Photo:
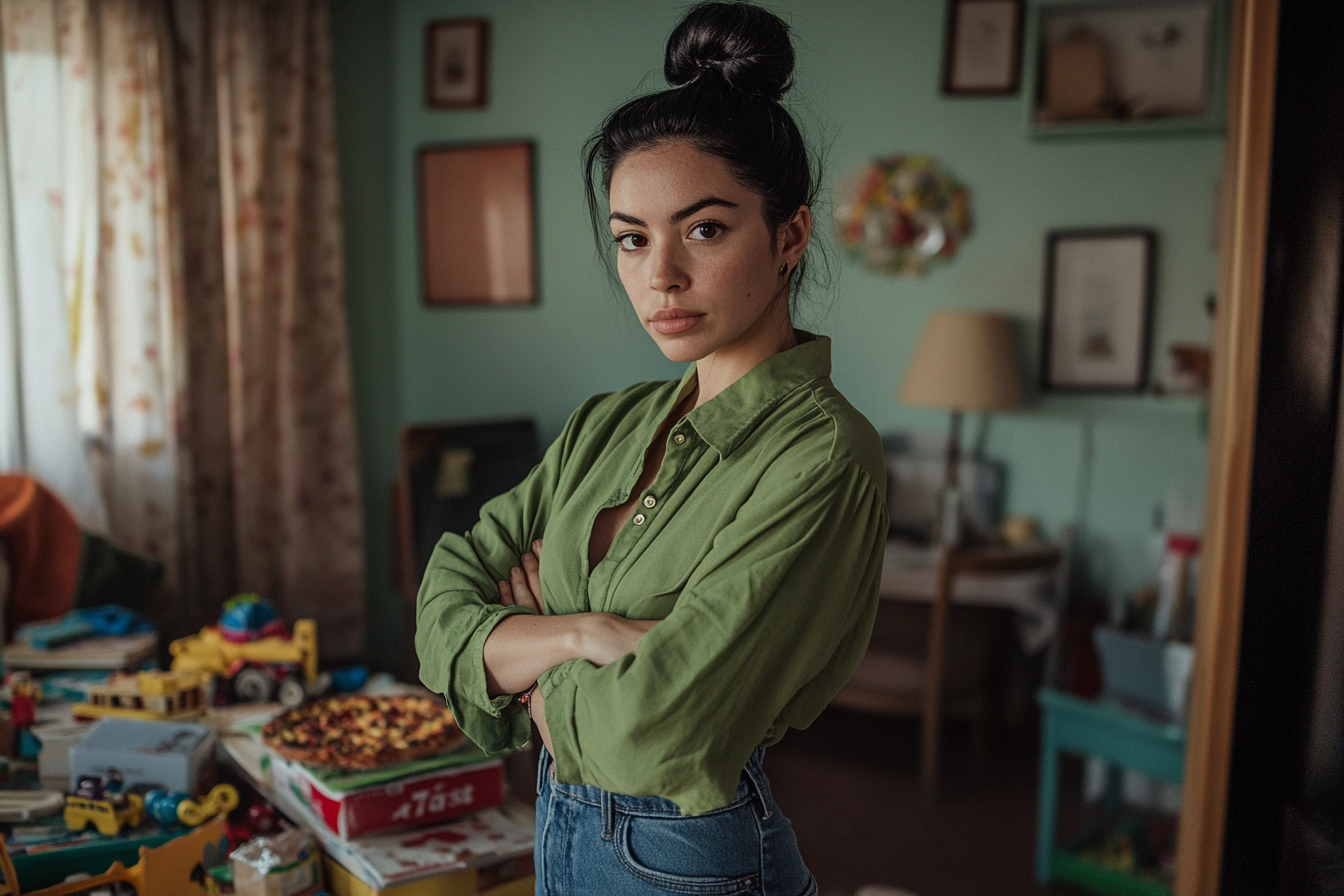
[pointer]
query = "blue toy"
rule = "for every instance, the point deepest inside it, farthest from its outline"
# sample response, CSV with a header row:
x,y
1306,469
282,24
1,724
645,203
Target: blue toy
x,y
249,617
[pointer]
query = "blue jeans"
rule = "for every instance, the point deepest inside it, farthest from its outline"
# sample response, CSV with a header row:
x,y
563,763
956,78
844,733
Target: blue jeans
x,y
592,841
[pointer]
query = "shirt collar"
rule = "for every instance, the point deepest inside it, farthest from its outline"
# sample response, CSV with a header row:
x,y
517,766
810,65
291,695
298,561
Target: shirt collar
x,y
729,417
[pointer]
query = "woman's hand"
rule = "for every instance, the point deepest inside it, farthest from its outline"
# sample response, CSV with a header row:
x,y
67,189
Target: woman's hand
x,y
523,588
605,637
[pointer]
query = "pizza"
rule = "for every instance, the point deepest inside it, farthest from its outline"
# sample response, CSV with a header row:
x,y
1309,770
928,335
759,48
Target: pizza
x,y
359,731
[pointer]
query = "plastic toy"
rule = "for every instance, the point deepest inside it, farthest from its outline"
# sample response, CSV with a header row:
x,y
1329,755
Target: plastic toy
x,y
23,695
179,867
108,816
274,666
152,696
249,617
114,620
92,787
175,807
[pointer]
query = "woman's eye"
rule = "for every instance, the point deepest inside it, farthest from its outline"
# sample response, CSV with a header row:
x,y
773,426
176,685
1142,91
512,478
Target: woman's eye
x,y
706,230
629,242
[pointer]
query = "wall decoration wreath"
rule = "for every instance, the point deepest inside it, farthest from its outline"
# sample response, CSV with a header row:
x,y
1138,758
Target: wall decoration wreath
x,y
902,214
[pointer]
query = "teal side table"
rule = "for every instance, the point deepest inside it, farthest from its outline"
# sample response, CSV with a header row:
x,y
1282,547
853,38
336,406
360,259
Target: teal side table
x,y
1118,736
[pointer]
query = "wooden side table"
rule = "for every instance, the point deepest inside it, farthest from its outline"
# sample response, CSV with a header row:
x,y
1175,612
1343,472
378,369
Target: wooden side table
x,y
1118,736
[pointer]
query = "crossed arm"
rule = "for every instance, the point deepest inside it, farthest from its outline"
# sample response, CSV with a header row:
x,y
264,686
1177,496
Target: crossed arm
x,y
521,647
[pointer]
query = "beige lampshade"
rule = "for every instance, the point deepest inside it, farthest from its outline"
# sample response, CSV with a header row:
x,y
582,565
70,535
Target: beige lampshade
x,y
964,362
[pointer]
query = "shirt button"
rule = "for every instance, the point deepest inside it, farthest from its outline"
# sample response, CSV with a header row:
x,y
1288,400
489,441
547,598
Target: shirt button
x,y
639,519
679,438
650,501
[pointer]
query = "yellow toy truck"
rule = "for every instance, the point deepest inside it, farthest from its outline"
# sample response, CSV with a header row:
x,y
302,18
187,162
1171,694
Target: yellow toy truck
x,y
271,667
108,816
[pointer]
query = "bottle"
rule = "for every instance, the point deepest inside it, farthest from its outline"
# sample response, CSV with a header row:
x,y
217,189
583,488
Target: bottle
x,y
1172,618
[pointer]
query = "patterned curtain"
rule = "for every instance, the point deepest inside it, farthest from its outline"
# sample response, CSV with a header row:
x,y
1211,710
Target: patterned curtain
x,y
277,492
173,353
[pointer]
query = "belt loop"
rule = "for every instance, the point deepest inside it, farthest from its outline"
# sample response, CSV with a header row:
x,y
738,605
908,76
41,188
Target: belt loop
x,y
543,759
608,815
756,776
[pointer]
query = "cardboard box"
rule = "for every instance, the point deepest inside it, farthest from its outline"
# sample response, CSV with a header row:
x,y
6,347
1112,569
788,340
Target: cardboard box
x,y
511,877
170,755
429,797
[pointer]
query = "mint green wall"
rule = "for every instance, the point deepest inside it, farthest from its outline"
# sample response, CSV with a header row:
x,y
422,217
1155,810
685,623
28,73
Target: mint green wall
x,y
867,84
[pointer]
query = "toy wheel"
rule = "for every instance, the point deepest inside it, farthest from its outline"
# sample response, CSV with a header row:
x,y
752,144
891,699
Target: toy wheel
x,y
252,686
291,693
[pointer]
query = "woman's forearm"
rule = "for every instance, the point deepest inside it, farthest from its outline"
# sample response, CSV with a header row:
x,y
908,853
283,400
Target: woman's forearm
x,y
522,647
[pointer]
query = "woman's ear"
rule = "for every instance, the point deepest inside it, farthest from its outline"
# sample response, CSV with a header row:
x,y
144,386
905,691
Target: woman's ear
x,y
793,236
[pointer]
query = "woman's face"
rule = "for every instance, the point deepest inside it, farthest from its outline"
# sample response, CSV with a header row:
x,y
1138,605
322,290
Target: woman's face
x,y
697,259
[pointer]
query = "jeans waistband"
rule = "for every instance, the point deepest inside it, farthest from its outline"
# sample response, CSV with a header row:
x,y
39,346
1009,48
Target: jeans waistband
x,y
751,785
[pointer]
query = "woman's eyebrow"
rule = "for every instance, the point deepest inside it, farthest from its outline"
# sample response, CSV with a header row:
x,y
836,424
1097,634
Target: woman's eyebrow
x,y
677,216
699,204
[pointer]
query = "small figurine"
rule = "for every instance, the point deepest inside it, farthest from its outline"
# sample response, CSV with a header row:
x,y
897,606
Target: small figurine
x,y
23,695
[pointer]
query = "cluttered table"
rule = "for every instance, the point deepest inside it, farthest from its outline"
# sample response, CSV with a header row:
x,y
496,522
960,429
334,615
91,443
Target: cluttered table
x,y
241,769
909,573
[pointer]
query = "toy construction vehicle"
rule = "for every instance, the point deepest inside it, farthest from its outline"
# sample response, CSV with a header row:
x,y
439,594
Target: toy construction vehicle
x,y
254,654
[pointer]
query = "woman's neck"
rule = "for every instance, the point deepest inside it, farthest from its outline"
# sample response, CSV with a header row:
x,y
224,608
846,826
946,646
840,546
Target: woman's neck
x,y
719,370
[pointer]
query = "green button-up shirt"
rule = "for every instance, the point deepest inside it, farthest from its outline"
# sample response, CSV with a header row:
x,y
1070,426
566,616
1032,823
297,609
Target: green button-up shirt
x,y
759,546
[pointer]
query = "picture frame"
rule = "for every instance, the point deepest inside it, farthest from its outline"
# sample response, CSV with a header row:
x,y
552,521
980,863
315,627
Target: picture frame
x,y
983,51
1098,67
1097,323
456,62
477,224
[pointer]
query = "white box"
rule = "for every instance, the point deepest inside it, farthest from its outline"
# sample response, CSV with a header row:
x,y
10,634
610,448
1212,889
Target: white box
x,y
58,739
171,755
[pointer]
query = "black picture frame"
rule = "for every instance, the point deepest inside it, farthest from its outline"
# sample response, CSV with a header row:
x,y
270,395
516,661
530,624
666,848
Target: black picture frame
x,y
1097,322
457,56
982,54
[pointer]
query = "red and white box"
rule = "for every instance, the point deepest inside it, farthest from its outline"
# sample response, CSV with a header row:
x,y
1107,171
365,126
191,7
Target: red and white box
x,y
426,798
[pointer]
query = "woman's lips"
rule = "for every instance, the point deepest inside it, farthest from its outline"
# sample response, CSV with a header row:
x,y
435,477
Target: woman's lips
x,y
669,321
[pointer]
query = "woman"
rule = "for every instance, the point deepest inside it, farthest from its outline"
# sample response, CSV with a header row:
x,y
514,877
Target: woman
x,y
712,546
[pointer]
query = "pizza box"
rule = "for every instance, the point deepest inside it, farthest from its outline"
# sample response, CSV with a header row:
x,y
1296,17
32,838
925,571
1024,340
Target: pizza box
x,y
485,842
510,877
409,795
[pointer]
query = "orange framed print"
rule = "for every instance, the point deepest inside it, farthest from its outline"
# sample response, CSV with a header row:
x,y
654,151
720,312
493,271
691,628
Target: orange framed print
x,y
477,230
456,57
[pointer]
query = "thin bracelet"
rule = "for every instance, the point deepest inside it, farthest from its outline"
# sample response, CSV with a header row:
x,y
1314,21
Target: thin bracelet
x,y
525,698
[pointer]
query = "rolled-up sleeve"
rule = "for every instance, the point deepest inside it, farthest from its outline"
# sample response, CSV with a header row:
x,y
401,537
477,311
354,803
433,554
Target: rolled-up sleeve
x,y
771,623
458,603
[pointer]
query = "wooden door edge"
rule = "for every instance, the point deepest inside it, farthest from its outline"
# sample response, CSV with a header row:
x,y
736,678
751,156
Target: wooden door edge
x,y
1246,179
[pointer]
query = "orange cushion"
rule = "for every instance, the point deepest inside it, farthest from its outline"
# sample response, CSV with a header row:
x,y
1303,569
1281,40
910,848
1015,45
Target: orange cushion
x,y
44,541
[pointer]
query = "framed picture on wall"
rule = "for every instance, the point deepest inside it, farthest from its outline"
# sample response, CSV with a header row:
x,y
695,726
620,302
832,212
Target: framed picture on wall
x,y
983,54
455,63
1099,67
1098,310
477,231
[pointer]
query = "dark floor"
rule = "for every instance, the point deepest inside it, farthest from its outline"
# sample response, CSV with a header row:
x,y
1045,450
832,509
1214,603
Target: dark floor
x,y
850,785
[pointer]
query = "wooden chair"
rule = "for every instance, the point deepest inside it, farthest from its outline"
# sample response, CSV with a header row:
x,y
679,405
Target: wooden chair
x,y
915,682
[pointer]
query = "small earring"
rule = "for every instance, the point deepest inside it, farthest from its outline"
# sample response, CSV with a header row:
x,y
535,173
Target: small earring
x,y
783,269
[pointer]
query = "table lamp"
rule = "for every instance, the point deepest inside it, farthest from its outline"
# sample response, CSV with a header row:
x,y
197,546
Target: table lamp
x,y
964,362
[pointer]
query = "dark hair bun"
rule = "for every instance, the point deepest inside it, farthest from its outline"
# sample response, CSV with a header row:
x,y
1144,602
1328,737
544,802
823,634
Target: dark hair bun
x,y
745,46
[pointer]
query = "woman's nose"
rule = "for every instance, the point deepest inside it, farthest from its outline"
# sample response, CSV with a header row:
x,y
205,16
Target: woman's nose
x,y
667,273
